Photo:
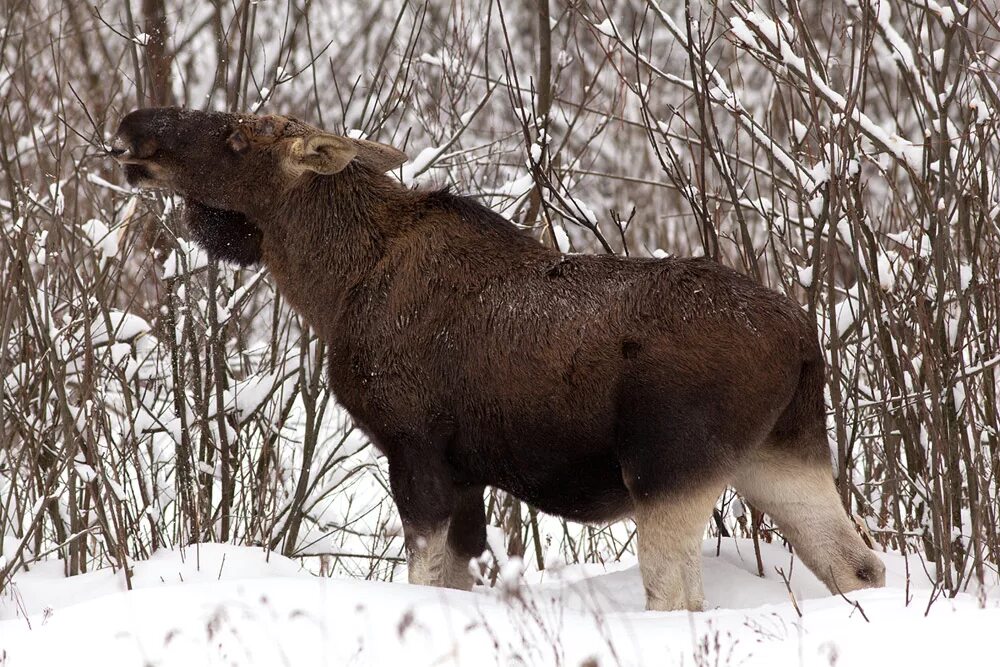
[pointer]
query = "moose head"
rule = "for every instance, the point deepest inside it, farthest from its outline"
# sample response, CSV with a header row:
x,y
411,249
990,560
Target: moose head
x,y
235,170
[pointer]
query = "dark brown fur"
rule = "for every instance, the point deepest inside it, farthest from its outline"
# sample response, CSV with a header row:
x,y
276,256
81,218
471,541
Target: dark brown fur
x,y
226,235
473,356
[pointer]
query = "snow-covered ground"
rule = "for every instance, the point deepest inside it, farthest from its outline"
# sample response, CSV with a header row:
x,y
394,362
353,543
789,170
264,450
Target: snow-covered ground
x,y
225,605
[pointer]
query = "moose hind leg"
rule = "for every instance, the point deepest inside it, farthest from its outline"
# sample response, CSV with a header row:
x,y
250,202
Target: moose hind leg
x,y
670,531
802,499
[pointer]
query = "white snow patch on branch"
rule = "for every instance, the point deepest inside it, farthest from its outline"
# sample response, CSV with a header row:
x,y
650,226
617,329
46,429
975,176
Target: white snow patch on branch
x,y
190,259
606,27
104,240
420,164
561,238
517,188
583,210
124,327
903,150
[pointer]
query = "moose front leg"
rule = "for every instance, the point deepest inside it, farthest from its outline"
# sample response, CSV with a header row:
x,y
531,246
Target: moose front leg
x,y
438,553
444,525
466,537
424,496
426,553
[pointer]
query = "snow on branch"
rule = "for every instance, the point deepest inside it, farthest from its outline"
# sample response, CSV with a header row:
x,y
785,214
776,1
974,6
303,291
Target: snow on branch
x,y
759,32
722,95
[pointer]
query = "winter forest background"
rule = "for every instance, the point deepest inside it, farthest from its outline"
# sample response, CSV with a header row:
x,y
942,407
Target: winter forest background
x,y
845,152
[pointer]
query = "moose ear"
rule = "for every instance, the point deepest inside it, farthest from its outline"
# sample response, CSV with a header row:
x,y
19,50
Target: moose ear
x,y
379,157
323,153
330,153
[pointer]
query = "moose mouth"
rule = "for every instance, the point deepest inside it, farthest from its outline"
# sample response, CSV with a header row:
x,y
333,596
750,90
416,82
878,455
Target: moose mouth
x,y
140,169
146,174
227,235
139,175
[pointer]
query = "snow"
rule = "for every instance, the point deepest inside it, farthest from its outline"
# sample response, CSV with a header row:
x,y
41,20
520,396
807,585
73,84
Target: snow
x,y
937,57
982,110
886,270
45,587
57,197
536,153
425,158
265,93
517,187
561,237
87,473
964,275
246,396
221,604
104,240
16,377
846,312
946,14
429,59
97,180
606,27
579,207
124,327
495,540
41,252
806,276
242,292
902,149
188,259
800,130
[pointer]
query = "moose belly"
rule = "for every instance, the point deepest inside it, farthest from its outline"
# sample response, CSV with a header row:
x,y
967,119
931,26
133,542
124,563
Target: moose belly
x,y
585,487
587,501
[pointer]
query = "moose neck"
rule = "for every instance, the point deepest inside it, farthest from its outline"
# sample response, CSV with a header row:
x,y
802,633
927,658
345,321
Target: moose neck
x,y
327,239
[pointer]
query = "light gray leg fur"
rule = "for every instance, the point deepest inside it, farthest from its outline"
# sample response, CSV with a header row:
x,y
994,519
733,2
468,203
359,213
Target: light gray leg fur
x,y
432,562
802,499
670,532
427,555
456,572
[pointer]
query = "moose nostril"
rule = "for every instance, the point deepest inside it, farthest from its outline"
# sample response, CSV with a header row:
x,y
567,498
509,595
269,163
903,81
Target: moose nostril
x,y
118,147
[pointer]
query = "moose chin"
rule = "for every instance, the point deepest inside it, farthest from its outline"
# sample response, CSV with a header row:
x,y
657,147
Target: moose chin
x,y
592,387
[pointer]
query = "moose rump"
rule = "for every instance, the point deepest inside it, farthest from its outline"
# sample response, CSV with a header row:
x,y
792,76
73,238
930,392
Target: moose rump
x,y
592,387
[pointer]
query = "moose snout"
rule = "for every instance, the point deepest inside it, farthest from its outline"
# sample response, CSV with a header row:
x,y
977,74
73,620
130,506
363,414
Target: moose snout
x,y
140,135
120,149
127,148
137,147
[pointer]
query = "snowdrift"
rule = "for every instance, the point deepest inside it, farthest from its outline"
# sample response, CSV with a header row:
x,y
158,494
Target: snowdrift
x,y
224,605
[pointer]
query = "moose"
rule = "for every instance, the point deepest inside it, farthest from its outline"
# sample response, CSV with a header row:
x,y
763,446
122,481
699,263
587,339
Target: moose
x,y
593,387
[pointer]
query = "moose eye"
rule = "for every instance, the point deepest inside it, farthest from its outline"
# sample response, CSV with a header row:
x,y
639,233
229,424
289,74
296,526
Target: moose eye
x,y
146,148
238,142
